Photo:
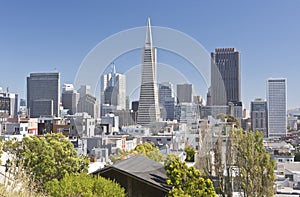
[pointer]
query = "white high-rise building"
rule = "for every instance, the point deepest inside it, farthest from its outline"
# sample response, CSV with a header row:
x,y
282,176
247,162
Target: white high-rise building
x,y
148,111
113,89
276,98
69,98
8,104
87,102
67,87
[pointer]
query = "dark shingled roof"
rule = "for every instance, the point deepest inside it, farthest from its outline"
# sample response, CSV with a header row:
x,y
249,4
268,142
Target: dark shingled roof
x,y
143,168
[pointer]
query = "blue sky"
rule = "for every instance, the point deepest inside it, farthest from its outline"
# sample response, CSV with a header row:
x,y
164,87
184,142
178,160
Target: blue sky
x,y
38,36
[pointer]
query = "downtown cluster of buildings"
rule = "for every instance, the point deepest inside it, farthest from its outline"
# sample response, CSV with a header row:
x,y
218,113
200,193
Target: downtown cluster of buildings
x,y
169,119
158,106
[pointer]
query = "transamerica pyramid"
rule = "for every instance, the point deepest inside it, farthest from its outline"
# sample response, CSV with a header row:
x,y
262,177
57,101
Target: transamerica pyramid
x,y
148,110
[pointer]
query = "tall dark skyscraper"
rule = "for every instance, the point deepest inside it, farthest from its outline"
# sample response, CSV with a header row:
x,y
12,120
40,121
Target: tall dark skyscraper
x,y
225,76
148,104
43,95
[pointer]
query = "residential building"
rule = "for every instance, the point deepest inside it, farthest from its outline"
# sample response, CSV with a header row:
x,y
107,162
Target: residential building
x,y
8,104
186,113
82,125
140,176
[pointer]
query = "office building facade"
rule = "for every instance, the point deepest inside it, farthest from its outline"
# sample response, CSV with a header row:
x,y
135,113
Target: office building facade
x,y
184,93
166,100
259,116
276,98
43,88
69,98
113,89
148,111
87,102
225,76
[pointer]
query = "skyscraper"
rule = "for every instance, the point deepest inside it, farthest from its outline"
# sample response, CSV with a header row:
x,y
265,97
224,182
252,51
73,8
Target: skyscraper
x,y
276,98
70,98
166,100
43,97
87,102
225,76
165,90
113,89
185,93
148,104
259,116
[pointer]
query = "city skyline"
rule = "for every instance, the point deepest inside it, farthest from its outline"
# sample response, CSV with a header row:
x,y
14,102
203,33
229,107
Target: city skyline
x,y
35,40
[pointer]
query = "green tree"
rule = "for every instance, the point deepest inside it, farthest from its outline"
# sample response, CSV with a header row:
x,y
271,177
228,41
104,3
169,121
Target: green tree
x,y
186,181
190,153
297,156
255,170
146,149
45,158
84,185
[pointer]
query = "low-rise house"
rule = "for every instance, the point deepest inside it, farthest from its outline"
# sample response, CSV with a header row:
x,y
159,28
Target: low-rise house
x,y
140,176
288,177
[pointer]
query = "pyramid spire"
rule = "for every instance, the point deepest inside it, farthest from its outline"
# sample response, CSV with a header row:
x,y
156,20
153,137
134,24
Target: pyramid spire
x,y
148,33
148,111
